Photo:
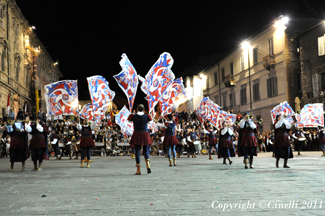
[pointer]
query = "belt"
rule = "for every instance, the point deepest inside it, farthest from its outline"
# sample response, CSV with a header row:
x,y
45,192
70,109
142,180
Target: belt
x,y
226,138
38,136
248,134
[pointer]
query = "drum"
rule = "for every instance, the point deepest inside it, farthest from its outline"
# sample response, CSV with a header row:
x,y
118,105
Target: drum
x,y
197,145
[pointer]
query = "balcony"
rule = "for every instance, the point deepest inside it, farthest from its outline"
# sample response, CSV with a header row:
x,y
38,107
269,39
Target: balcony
x,y
229,81
269,62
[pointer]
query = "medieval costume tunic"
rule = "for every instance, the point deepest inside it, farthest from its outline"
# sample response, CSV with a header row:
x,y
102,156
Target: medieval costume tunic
x,y
55,144
281,145
226,146
19,142
140,137
170,140
321,139
191,137
38,142
299,139
247,140
86,141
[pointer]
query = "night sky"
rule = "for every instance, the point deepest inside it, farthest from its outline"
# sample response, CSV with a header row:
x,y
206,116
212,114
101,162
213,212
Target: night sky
x,y
89,37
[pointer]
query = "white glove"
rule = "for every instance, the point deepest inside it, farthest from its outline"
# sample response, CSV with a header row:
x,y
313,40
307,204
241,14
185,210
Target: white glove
x,y
39,128
22,130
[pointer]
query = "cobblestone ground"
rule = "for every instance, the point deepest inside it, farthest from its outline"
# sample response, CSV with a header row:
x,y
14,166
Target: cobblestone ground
x,y
196,186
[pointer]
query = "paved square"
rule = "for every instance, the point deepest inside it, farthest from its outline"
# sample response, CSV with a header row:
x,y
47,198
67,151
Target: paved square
x,y
196,186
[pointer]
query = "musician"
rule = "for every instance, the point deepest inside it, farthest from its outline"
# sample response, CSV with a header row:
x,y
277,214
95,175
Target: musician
x,y
299,139
38,143
212,139
140,137
86,141
170,140
67,146
191,137
247,140
281,145
321,138
226,146
18,144
54,140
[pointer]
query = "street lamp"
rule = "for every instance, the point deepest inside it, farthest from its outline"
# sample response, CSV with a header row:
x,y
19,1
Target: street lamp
x,y
245,45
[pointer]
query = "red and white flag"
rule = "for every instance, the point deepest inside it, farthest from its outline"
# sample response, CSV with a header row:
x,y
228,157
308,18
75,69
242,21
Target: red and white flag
x,y
8,104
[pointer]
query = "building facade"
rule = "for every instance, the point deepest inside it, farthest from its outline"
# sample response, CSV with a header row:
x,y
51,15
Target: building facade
x,y
25,65
258,75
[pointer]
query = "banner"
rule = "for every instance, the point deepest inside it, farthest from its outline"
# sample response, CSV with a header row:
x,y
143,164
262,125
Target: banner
x,y
282,109
311,115
87,112
127,79
121,119
62,98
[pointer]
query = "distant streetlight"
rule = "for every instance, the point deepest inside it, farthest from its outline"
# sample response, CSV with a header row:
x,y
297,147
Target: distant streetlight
x,y
246,46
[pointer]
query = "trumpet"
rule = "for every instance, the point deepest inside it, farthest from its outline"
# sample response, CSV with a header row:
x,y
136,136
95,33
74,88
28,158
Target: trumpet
x,y
260,121
298,112
250,116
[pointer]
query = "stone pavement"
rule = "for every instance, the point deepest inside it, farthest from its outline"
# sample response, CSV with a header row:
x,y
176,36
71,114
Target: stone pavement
x,y
196,186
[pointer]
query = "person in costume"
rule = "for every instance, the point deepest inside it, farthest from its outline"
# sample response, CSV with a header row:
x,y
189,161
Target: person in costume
x,y
321,138
18,145
170,140
38,143
140,137
226,146
247,140
190,137
281,145
55,143
86,141
299,139
212,139
179,145
67,147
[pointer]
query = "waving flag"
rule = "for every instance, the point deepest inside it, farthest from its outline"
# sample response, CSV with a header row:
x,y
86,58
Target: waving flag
x,y
62,98
172,96
128,80
208,110
158,79
224,117
87,112
100,95
152,126
127,127
281,109
311,115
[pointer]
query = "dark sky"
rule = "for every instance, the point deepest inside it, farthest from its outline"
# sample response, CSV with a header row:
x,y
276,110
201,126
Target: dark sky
x,y
89,37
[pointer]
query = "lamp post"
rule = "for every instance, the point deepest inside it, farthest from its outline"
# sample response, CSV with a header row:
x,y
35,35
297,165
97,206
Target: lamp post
x,y
246,45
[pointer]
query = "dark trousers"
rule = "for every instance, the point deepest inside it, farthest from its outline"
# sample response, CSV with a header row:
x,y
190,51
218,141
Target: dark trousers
x,y
85,152
37,154
56,149
67,151
249,151
179,149
146,150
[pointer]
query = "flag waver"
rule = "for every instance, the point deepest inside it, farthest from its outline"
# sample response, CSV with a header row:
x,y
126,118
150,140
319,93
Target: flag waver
x,y
128,80
62,98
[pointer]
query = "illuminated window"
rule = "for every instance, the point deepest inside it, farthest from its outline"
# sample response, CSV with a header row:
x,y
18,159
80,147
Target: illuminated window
x,y
321,46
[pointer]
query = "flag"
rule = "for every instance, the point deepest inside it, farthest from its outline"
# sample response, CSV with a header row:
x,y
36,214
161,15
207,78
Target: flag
x,y
169,101
127,127
157,80
282,109
311,115
100,95
128,80
152,126
62,98
8,104
87,112
208,110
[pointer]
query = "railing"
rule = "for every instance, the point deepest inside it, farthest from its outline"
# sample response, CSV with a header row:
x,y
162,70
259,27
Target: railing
x,y
269,61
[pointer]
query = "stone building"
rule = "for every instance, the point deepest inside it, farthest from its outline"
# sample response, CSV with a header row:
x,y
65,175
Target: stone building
x,y
263,72
312,61
25,65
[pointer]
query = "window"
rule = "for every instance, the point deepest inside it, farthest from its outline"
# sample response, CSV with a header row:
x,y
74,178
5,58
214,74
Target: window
x,y
272,87
270,42
224,100
243,99
216,99
255,55
256,91
3,61
215,78
222,74
242,63
232,100
321,46
231,68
